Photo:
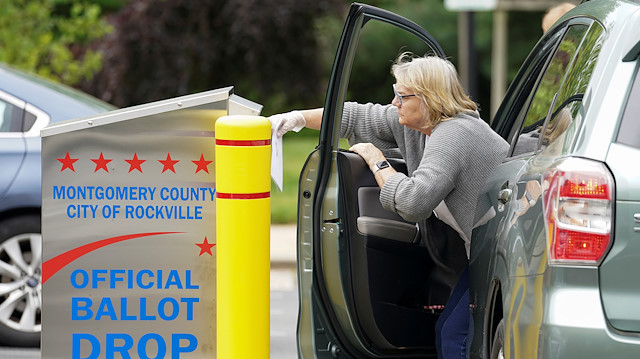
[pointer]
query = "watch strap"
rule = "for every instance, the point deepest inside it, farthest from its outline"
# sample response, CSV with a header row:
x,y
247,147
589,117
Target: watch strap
x,y
380,165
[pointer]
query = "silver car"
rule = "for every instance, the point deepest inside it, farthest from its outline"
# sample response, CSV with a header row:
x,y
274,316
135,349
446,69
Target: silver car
x,y
27,105
552,274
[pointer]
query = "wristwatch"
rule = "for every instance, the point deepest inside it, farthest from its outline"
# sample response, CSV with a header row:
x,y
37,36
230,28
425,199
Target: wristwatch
x,y
380,165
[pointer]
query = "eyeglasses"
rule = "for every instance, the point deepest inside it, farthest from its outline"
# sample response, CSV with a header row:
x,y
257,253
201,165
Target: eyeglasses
x,y
399,96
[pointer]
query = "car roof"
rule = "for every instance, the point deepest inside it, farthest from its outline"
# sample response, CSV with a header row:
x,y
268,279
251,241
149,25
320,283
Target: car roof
x,y
60,102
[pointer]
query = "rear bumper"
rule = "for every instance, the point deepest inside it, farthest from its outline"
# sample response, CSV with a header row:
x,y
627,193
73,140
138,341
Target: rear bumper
x,y
572,323
574,326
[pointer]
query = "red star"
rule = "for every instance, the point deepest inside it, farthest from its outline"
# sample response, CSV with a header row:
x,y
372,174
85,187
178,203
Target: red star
x,y
168,163
101,163
205,247
135,163
67,162
202,164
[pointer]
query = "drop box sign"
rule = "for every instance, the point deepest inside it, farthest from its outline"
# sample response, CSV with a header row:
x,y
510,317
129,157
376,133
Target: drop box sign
x,y
128,224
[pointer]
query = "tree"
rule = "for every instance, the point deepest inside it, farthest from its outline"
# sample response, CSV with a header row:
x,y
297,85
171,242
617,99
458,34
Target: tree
x,y
524,31
47,37
163,49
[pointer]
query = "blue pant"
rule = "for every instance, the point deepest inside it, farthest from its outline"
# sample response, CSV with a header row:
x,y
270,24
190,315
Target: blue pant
x,y
453,325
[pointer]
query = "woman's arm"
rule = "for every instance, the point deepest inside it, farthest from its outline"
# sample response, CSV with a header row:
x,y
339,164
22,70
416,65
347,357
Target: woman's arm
x,y
415,196
360,123
372,155
296,120
313,118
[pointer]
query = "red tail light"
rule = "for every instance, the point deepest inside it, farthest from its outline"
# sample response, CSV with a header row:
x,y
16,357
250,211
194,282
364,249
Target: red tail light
x,y
578,204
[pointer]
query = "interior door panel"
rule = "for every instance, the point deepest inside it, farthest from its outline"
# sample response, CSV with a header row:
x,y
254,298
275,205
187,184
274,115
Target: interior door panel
x,y
396,292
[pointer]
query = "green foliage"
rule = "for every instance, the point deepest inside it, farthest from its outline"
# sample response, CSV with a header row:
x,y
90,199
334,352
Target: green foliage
x,y
109,5
524,31
553,77
161,49
48,37
379,44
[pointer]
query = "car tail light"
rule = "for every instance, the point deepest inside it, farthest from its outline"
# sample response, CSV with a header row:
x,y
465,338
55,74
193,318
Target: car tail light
x,y
578,205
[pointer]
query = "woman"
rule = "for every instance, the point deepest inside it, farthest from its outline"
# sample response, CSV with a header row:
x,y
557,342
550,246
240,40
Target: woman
x,y
449,152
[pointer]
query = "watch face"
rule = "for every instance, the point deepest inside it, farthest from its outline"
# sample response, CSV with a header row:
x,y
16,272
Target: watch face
x,y
382,164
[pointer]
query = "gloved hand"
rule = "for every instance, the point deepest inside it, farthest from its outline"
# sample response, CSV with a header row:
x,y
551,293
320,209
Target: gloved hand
x,y
285,122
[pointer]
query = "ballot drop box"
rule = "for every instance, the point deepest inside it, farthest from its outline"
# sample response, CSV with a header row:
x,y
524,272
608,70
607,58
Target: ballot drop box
x,y
129,230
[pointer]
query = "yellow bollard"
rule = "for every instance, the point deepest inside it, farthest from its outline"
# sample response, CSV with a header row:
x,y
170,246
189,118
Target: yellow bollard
x,y
243,219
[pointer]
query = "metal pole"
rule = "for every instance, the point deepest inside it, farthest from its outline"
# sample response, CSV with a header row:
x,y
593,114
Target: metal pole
x,y
473,56
467,55
499,59
463,49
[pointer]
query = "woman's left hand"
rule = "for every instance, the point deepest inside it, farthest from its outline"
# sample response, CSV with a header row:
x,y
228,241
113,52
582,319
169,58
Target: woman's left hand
x,y
369,152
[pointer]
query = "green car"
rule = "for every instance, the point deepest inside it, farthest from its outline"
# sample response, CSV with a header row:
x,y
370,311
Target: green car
x,y
552,274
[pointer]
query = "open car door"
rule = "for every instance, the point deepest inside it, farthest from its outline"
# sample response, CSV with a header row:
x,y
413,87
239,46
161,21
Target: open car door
x,y
368,288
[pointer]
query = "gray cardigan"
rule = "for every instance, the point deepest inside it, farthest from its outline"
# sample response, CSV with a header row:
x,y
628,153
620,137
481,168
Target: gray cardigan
x,y
459,156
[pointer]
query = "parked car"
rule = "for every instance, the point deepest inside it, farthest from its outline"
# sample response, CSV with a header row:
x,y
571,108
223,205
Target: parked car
x,y
27,104
552,275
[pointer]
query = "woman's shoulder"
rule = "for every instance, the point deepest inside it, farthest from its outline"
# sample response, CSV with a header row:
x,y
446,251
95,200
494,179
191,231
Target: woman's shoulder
x,y
469,128
463,122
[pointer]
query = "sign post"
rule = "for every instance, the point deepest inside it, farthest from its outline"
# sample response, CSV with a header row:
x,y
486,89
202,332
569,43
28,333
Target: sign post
x,y
129,230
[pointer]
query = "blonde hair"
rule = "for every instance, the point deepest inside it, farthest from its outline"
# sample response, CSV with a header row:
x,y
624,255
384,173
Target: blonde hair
x,y
554,13
435,81
557,127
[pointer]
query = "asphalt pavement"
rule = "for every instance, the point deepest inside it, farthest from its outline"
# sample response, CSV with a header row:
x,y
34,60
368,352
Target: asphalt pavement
x,y
284,292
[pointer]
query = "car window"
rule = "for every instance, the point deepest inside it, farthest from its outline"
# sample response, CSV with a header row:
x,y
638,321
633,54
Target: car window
x,y
28,121
10,117
508,117
629,133
560,89
371,81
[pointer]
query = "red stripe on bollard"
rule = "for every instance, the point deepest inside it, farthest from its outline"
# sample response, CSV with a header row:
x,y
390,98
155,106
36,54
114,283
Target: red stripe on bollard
x,y
243,142
243,195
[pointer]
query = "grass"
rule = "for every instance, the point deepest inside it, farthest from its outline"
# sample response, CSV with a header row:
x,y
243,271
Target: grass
x,y
284,205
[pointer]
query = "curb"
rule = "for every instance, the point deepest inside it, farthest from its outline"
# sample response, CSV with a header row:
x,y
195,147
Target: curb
x,y
283,246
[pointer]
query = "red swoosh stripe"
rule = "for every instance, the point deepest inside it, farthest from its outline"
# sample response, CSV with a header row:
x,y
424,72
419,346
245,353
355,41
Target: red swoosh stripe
x,y
243,195
243,142
53,265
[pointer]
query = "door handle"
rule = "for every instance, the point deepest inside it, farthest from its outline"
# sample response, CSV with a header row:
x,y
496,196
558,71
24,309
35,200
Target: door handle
x,y
504,195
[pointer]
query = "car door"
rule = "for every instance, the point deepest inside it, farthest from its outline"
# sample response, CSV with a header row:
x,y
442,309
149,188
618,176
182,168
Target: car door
x,y
12,142
367,286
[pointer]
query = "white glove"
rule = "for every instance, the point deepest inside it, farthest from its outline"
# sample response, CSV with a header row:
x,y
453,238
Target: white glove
x,y
285,122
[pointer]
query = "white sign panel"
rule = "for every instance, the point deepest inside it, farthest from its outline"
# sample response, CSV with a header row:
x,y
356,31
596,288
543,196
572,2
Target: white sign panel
x,y
470,5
